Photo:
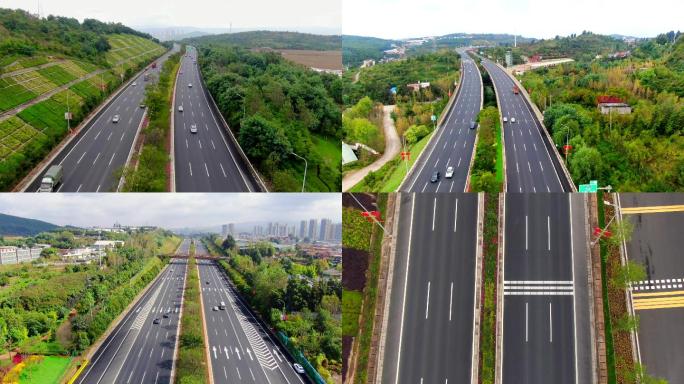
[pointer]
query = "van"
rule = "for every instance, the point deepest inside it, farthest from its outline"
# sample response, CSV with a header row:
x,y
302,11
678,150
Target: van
x,y
222,306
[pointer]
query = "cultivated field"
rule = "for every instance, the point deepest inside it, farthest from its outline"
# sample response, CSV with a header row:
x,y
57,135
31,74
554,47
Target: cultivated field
x,y
314,59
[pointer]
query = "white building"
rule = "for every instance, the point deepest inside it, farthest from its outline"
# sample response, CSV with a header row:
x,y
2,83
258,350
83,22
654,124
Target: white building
x,y
101,245
14,255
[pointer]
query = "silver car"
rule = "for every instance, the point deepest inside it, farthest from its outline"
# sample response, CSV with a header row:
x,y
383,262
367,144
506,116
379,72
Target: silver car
x,y
115,119
193,128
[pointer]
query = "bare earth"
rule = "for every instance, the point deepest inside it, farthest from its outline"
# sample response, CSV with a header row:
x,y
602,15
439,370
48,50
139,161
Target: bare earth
x,y
315,59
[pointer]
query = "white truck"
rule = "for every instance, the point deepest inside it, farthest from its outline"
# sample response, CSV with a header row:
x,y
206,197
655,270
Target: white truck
x,y
51,179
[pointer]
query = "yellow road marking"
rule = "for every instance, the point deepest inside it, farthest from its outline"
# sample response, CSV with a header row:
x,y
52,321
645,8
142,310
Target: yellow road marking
x,y
657,303
663,306
652,209
670,293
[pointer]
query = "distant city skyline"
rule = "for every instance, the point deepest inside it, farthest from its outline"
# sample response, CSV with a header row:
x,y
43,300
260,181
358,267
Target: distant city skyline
x,y
400,19
172,211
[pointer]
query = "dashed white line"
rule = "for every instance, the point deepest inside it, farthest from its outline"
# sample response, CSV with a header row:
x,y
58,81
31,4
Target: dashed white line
x,y
427,301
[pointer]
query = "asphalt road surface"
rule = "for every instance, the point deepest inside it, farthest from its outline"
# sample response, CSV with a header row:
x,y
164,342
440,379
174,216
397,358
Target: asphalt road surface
x,y
241,351
545,339
658,301
455,141
139,351
529,167
205,161
430,327
102,147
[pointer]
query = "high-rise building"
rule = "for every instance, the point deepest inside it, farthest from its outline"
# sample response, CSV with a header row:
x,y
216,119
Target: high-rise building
x,y
231,229
302,229
324,231
337,232
312,230
224,231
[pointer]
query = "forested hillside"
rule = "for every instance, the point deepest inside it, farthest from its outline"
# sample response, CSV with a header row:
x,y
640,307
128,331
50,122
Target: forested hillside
x,y
276,108
275,40
19,226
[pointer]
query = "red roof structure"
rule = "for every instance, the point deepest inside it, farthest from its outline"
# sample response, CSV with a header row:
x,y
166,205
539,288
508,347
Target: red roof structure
x,y
608,99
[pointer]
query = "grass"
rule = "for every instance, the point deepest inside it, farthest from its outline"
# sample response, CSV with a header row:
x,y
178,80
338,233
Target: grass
x,y
356,229
13,94
47,370
56,75
499,154
608,327
351,308
328,150
400,172
488,325
370,297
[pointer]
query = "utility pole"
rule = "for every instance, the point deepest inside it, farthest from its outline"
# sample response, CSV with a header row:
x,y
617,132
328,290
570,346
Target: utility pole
x,y
306,165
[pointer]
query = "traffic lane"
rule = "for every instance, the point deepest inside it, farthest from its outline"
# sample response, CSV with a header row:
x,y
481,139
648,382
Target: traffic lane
x,y
402,265
660,345
110,347
538,340
437,342
204,160
226,362
282,359
81,146
537,237
156,342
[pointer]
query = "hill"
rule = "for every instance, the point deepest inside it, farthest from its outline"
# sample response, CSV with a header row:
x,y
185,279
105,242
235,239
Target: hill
x,y
46,63
19,226
271,39
582,47
356,49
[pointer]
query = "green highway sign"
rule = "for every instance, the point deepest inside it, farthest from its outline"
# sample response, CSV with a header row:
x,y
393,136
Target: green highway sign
x,y
592,187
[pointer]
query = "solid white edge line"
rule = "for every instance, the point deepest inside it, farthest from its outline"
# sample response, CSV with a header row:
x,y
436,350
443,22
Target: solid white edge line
x,y
403,305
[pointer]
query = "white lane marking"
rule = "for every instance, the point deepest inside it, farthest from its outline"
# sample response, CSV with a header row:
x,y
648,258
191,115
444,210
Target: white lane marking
x,y
526,320
98,188
222,170
525,232
516,167
434,213
110,160
80,158
110,135
529,166
425,186
212,144
98,135
96,157
190,164
451,297
456,215
403,304
186,143
459,162
206,169
79,187
200,143
427,301
548,227
550,324
122,136
541,166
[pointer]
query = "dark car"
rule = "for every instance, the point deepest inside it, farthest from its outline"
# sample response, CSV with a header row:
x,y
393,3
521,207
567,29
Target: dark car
x,y
435,177
156,321
473,125
166,316
206,282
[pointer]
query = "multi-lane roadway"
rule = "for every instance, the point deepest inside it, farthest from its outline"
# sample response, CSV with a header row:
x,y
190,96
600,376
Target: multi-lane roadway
x,y
430,331
138,350
529,164
546,306
455,139
102,147
658,300
241,351
205,160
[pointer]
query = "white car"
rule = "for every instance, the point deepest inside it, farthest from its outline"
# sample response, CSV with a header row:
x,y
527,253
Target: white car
x,y
505,119
193,128
115,119
180,108
214,309
135,83
512,119
298,368
189,85
449,172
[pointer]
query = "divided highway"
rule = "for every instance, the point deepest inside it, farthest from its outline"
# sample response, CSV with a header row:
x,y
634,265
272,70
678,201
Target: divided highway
x,y
546,306
658,301
241,350
432,305
529,167
139,351
103,147
455,141
205,160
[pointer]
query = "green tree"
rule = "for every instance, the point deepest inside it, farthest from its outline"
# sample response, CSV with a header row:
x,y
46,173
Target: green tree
x,y
627,274
261,138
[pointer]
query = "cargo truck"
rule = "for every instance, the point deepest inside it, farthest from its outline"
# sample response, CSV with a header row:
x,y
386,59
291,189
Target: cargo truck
x,y
51,179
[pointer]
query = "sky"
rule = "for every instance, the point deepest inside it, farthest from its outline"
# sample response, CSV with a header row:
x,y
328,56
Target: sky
x,y
396,19
171,210
251,14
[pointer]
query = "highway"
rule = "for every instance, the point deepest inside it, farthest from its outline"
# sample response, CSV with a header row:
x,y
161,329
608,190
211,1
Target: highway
x,y
432,304
658,301
546,320
102,146
455,141
206,161
139,351
241,350
529,167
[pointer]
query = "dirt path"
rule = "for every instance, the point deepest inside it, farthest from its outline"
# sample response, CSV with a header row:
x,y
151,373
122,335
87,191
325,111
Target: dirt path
x,y
356,76
392,147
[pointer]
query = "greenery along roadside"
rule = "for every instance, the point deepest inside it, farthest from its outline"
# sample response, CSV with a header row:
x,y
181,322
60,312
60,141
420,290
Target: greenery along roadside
x,y
150,172
191,364
488,325
487,172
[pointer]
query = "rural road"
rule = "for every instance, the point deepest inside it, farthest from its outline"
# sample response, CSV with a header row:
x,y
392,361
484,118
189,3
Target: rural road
x,y
392,147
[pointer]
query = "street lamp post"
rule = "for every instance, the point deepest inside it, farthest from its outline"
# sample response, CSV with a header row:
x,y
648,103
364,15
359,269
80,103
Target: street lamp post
x,y
306,165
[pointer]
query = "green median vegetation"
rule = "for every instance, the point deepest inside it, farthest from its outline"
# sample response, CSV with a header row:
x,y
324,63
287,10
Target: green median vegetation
x,y
488,323
148,171
487,172
191,366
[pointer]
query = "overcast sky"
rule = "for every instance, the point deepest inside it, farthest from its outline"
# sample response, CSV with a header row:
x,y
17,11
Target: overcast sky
x,y
171,210
530,18
253,14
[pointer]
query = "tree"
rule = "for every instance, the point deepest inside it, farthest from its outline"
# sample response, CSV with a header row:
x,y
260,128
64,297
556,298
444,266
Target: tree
x,y
261,138
627,274
229,243
586,164
621,231
486,182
